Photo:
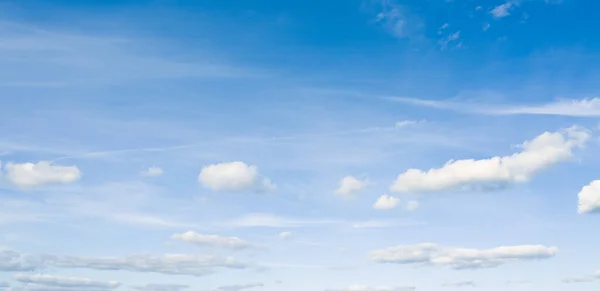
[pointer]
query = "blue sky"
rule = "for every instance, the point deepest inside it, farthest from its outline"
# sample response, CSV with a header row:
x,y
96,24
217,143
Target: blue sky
x,y
367,145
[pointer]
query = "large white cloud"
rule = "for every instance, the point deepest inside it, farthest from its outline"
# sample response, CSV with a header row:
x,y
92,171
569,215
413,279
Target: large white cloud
x,y
542,152
212,240
40,173
234,176
461,258
589,198
373,288
350,185
58,281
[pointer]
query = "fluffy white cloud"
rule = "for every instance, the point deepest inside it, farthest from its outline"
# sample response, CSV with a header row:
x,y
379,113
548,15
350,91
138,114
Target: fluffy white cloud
x,y
412,205
237,287
152,172
589,198
285,235
170,264
386,202
350,185
40,173
461,258
373,288
75,282
233,176
542,152
161,287
212,240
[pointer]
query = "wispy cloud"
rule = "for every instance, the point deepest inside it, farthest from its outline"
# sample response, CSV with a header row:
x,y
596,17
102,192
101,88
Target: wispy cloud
x,y
587,107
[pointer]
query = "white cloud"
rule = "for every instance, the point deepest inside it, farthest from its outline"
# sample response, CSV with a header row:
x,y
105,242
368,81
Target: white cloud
x,y
502,10
448,39
161,287
285,235
386,202
373,288
237,287
41,173
589,198
270,220
412,205
350,185
545,150
233,176
461,258
407,123
212,240
485,26
152,172
75,282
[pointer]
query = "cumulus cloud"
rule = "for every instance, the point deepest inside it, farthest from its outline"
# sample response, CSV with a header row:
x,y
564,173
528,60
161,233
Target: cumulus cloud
x,y
350,185
373,288
40,173
543,151
461,258
212,240
161,287
170,264
152,172
386,202
237,287
234,176
589,198
72,282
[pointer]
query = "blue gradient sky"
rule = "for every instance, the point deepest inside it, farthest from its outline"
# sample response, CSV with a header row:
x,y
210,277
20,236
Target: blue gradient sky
x,y
309,92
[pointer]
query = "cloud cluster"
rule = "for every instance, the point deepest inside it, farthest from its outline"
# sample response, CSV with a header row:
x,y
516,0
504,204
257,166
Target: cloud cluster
x,y
233,177
461,258
545,150
212,240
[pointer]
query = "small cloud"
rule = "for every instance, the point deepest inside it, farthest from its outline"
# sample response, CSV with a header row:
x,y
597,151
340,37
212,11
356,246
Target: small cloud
x,y
350,185
448,39
233,177
386,202
478,8
502,10
285,235
407,123
152,172
486,26
212,240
